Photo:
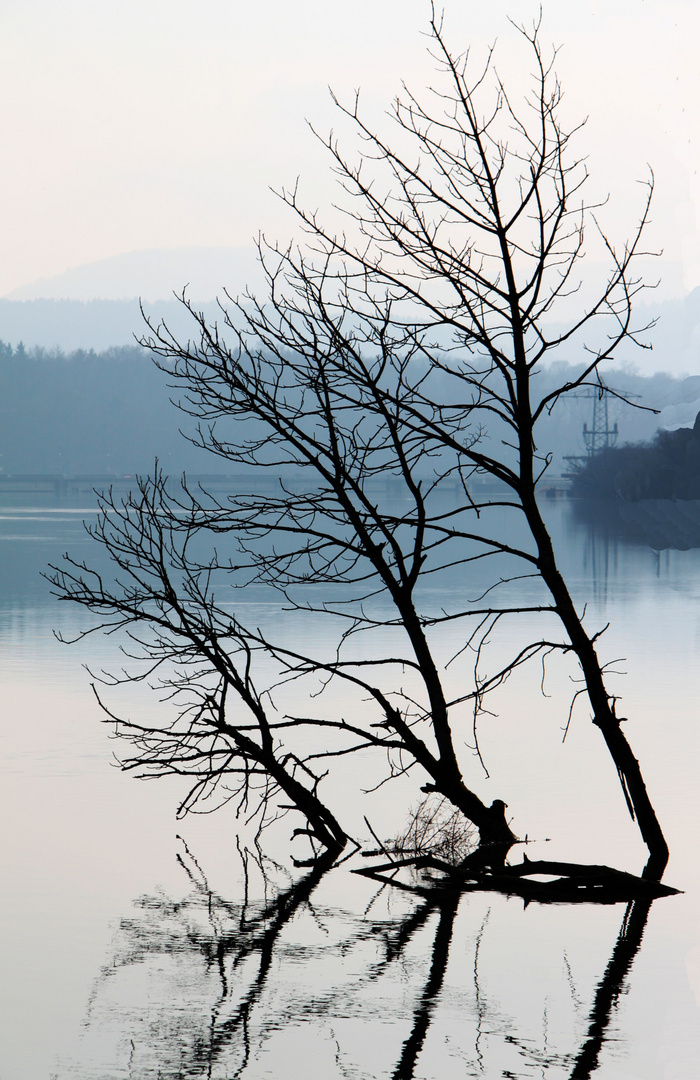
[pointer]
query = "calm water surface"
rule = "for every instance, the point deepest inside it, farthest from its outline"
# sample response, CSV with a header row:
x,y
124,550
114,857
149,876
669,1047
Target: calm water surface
x,y
137,946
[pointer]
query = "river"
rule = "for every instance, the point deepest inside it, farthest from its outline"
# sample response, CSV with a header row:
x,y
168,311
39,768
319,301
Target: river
x,y
134,945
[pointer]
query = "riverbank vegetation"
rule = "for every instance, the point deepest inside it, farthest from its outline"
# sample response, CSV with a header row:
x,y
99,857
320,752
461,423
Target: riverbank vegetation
x,y
667,467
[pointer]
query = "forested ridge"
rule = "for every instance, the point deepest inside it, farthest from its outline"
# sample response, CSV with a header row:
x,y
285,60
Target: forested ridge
x,y
109,412
86,412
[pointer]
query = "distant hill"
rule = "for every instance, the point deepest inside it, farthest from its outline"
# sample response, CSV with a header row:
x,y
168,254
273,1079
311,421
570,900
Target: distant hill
x,y
152,275
93,324
95,307
70,412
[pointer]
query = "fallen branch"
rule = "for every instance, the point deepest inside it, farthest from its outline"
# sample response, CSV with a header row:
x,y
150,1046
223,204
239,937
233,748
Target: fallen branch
x,y
570,882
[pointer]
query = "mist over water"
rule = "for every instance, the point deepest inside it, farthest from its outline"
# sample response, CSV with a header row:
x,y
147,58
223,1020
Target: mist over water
x,y
135,945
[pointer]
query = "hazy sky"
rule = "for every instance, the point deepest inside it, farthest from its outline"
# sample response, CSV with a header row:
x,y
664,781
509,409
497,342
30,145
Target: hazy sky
x,y
137,124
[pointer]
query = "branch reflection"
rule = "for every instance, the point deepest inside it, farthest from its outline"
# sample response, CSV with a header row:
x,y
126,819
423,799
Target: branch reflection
x,y
611,986
401,986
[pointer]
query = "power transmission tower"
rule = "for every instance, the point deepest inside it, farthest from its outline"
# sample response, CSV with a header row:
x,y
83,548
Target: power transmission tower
x,y
600,436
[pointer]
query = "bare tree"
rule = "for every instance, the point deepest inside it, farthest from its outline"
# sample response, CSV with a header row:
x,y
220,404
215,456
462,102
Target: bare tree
x,y
390,380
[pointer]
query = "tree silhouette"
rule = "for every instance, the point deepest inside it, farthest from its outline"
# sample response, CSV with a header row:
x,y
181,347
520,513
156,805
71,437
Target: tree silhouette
x,y
382,402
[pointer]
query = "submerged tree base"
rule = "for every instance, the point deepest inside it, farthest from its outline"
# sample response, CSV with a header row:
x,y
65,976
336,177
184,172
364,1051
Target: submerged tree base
x,y
543,881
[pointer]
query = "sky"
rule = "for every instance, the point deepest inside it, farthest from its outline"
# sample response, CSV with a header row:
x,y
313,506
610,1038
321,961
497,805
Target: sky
x,y
131,125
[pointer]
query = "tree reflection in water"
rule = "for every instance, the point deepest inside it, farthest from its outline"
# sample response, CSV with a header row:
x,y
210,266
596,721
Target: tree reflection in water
x,y
284,986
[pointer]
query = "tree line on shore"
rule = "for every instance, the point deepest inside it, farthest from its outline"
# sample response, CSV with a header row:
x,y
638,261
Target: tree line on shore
x,y
665,467
86,412
109,412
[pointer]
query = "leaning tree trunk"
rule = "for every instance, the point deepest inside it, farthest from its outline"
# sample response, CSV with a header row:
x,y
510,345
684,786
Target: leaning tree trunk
x,y
604,717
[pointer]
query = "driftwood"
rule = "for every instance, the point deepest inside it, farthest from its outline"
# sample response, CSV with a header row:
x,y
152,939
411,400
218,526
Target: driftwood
x,y
568,883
